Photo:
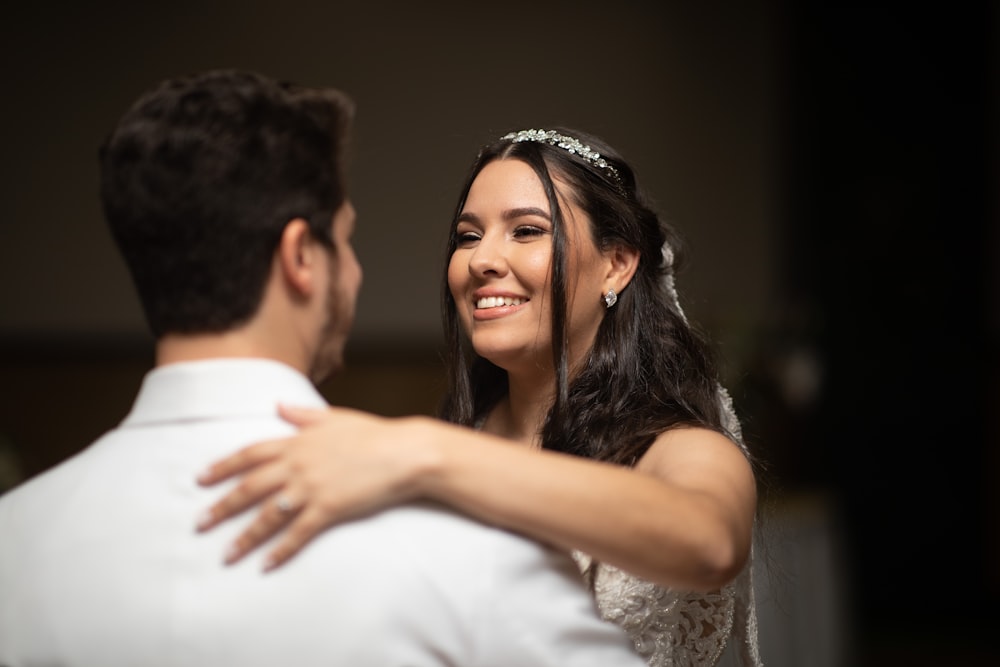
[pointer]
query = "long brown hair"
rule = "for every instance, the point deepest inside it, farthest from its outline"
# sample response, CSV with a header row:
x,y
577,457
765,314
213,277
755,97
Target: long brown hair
x,y
648,370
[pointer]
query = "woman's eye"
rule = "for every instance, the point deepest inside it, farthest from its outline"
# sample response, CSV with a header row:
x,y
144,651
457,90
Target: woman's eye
x,y
464,238
527,232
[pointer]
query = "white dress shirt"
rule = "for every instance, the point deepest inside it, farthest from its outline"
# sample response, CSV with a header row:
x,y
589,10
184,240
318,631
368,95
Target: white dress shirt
x,y
100,563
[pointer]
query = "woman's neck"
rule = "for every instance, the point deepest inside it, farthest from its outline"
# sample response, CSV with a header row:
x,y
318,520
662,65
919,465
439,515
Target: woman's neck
x,y
519,415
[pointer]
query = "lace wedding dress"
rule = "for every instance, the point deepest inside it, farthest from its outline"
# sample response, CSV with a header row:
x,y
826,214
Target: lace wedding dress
x,y
682,629
677,629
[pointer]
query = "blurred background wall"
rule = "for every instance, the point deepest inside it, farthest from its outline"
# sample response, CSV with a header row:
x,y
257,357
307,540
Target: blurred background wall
x,y
832,166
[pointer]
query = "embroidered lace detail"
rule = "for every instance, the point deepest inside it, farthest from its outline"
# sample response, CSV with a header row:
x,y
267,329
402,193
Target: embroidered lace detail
x,y
677,629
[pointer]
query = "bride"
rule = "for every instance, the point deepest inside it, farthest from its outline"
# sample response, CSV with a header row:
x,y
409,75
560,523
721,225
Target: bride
x,y
583,410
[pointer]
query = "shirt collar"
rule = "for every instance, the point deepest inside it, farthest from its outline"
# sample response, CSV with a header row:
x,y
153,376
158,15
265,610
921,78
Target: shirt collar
x,y
219,388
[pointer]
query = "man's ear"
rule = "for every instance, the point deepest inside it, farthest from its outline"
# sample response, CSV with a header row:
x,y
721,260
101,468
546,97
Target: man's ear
x,y
297,257
624,261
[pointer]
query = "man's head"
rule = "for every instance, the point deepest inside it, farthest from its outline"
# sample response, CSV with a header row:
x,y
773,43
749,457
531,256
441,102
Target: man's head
x,y
201,181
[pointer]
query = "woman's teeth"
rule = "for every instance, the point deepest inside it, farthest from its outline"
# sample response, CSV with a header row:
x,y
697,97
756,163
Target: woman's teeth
x,y
497,301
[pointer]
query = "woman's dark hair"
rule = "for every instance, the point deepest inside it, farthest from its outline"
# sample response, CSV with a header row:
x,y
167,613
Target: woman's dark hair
x,y
648,370
200,178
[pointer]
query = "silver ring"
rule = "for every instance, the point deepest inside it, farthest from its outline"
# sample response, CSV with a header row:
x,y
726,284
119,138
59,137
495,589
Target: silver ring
x,y
284,504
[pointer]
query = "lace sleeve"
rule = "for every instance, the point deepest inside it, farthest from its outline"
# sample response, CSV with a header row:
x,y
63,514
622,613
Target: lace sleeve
x,y
678,629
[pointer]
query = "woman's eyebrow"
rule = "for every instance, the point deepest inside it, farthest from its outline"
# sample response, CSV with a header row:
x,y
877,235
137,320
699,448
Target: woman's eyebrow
x,y
525,211
509,214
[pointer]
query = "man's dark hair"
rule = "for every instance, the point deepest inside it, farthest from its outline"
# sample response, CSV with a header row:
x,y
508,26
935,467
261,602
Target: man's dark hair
x,y
199,179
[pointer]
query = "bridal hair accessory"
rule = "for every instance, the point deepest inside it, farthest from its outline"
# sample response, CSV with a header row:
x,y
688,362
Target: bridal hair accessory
x,y
668,280
730,420
568,144
745,623
745,620
610,298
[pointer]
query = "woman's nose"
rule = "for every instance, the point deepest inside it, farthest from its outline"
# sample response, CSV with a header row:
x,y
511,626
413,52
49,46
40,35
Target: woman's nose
x,y
488,258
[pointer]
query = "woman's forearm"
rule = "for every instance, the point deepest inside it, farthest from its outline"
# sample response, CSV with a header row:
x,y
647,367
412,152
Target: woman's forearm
x,y
684,535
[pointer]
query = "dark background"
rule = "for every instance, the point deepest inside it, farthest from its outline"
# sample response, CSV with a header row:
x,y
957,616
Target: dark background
x,y
891,250
833,166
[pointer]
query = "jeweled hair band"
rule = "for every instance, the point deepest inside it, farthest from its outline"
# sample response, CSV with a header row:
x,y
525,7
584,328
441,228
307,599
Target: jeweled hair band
x,y
568,144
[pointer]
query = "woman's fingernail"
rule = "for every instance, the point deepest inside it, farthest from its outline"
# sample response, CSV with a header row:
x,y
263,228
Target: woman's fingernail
x,y
204,475
270,563
205,520
232,553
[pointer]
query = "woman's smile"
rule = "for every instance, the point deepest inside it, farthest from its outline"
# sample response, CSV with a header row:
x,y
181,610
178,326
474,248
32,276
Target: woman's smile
x,y
491,305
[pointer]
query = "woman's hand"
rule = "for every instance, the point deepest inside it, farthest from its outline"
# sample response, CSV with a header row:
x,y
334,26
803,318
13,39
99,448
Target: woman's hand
x,y
343,464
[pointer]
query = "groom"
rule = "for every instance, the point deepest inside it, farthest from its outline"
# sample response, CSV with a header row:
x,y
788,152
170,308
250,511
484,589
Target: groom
x,y
225,194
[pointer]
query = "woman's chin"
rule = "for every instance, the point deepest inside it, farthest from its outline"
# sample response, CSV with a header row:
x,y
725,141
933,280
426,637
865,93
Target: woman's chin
x,y
515,359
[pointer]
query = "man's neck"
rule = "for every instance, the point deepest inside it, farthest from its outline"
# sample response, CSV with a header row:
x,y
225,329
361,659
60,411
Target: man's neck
x,y
175,348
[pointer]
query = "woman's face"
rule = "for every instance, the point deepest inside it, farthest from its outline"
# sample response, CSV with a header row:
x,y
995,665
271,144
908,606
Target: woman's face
x,y
500,273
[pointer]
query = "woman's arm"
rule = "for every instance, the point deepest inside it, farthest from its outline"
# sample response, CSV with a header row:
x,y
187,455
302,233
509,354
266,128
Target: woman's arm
x,y
682,518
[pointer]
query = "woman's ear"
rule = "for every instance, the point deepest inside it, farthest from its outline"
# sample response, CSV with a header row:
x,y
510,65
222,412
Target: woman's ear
x,y
296,257
624,261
